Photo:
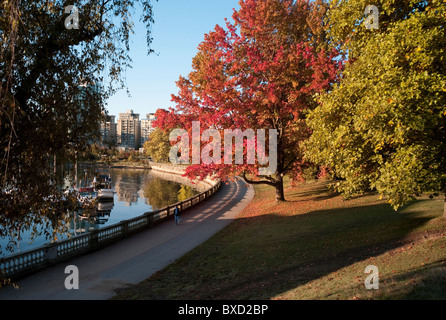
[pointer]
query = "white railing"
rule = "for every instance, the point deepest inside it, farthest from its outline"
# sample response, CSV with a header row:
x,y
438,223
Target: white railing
x,y
25,263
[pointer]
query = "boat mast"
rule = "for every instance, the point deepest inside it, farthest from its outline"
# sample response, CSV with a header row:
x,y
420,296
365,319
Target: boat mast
x,y
75,169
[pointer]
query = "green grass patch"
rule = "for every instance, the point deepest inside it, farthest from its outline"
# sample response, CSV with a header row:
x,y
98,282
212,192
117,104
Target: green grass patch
x,y
316,245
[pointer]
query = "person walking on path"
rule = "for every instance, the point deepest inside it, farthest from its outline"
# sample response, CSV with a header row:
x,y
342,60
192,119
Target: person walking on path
x,y
177,215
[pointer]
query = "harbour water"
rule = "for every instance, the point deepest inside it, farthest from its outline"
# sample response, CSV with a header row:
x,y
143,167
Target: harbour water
x,y
135,193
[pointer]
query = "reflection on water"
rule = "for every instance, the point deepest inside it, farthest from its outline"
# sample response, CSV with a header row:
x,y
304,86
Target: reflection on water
x,y
160,194
136,192
131,186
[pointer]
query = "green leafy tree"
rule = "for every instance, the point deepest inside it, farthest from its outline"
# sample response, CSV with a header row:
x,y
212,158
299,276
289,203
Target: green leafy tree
x,y
134,157
384,126
158,146
54,64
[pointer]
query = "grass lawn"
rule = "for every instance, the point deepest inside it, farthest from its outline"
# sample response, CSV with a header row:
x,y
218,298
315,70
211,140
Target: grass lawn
x,y
316,245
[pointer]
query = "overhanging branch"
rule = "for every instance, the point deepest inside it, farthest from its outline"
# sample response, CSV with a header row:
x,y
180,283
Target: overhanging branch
x,y
247,180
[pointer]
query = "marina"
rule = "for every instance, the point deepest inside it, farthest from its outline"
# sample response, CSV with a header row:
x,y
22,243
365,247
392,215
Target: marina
x,y
110,198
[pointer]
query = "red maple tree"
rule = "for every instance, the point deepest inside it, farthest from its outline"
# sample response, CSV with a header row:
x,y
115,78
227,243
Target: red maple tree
x,y
261,72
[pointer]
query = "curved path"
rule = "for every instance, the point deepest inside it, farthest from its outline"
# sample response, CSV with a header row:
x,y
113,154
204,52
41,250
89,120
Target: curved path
x,y
136,258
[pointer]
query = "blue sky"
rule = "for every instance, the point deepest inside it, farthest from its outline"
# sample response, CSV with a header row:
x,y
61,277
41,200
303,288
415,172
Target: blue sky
x,y
179,28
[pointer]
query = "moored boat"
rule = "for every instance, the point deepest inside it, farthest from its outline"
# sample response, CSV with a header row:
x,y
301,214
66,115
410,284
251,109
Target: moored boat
x,y
103,186
105,194
105,206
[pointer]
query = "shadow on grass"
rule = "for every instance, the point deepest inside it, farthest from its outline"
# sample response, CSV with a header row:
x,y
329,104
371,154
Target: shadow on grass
x,y
432,275
322,192
262,257
293,251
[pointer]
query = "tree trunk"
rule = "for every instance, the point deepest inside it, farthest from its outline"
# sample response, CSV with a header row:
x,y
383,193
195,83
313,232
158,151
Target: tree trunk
x,y
444,206
280,196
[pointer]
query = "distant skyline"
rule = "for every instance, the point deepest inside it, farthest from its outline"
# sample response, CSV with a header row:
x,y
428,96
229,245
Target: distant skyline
x,y
179,28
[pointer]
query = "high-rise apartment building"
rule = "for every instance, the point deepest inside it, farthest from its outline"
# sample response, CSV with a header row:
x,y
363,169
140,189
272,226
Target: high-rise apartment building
x,y
147,127
109,131
129,130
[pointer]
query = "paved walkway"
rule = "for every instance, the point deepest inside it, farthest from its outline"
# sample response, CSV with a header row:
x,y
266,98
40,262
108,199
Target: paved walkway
x,y
136,258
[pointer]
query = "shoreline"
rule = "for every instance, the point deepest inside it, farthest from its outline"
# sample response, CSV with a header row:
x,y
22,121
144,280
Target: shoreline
x,y
124,166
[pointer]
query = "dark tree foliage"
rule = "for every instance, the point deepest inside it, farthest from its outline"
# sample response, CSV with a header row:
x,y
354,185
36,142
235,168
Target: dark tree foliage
x,y
52,95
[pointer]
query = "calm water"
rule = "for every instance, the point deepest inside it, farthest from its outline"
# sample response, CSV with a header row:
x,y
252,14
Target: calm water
x,y
136,192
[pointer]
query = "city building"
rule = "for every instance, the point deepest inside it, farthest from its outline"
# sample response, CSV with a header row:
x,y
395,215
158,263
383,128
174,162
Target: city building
x,y
109,131
147,127
129,130
86,98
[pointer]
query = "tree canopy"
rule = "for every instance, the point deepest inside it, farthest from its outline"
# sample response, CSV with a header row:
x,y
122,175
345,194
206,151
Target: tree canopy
x,y
260,72
158,146
384,126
